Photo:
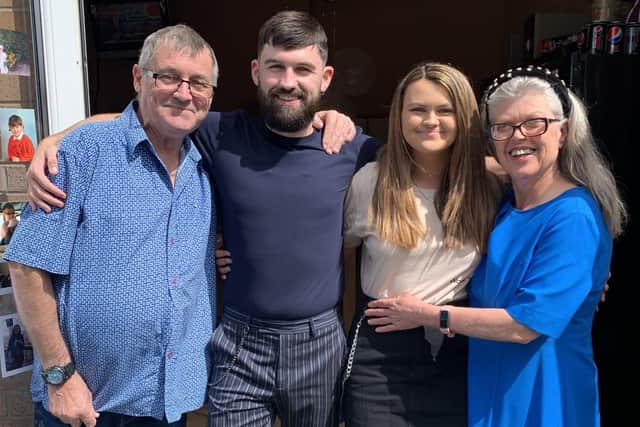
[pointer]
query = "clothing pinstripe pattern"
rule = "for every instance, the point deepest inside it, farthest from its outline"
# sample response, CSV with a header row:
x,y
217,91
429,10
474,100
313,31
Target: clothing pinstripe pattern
x,y
264,368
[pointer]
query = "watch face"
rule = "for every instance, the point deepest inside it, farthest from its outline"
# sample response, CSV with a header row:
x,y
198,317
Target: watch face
x,y
444,319
55,376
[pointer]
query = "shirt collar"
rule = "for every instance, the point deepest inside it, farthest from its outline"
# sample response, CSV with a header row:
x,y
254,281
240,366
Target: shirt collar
x,y
135,134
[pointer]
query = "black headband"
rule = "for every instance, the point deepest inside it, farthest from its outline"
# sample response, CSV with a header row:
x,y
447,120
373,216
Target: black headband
x,y
551,77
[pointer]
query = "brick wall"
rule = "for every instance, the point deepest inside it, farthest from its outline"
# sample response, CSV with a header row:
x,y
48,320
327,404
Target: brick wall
x,y
16,409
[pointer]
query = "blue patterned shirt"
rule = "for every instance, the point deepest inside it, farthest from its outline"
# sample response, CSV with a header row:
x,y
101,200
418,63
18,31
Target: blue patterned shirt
x,y
131,262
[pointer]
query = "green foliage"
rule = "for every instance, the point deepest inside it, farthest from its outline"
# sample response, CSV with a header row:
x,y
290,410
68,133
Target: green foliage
x,y
17,46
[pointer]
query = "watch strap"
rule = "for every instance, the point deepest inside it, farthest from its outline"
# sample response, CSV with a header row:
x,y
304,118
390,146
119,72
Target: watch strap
x,y
444,324
68,369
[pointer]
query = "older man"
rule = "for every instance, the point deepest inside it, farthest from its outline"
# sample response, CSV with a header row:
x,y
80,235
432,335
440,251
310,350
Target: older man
x,y
117,289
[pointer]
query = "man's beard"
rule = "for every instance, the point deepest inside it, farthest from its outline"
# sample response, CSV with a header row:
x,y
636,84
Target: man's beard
x,y
283,118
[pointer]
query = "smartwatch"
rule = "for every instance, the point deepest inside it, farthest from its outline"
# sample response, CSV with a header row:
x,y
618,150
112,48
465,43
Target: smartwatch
x,y
444,324
57,375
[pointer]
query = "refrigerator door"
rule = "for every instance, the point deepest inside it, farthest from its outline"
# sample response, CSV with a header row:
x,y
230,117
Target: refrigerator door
x,y
611,89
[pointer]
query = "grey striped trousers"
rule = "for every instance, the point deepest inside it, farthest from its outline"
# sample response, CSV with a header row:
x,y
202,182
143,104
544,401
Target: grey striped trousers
x,y
264,368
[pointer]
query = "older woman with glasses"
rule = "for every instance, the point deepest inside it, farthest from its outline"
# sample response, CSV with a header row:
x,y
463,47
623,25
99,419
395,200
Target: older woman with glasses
x,y
534,294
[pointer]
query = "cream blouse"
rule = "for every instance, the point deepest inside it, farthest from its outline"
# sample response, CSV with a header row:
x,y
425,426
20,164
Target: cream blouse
x,y
430,272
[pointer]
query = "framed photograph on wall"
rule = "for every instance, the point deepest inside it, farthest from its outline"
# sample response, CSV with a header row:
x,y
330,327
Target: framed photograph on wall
x,y
123,25
17,352
5,278
18,134
15,53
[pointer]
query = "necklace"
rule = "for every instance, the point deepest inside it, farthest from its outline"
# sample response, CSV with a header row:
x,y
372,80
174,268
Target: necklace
x,y
420,170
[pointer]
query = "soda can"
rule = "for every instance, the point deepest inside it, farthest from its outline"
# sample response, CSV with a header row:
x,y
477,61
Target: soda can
x,y
547,45
596,37
632,39
581,39
615,38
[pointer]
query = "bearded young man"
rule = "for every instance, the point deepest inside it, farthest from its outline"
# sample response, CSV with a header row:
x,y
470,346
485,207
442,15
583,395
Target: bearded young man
x,y
280,345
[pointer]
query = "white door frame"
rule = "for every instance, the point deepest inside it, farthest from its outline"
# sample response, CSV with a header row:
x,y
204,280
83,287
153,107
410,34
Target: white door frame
x,y
61,60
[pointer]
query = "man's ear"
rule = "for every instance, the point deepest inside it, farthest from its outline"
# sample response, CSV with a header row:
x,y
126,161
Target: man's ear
x,y
327,75
136,73
255,68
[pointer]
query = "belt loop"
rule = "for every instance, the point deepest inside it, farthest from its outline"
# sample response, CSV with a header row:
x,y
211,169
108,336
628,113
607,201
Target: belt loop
x,y
312,327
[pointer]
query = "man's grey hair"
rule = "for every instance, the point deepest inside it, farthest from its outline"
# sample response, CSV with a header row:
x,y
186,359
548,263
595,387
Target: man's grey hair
x,y
180,37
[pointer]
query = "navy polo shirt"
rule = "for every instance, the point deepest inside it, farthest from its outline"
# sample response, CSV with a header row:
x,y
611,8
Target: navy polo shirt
x,y
281,209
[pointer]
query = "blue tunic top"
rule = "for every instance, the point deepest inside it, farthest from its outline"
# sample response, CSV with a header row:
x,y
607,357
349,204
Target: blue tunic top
x,y
547,267
131,261
281,202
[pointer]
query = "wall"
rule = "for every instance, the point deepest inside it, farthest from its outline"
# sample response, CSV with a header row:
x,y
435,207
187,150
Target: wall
x,y
371,41
372,44
17,91
15,399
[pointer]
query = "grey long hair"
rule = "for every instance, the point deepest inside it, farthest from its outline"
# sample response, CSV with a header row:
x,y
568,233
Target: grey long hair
x,y
579,159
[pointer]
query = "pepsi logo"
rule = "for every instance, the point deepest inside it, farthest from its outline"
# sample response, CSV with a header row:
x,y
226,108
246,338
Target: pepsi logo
x,y
615,35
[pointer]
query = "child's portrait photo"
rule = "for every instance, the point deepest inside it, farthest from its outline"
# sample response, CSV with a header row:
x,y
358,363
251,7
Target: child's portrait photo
x,y
17,352
5,279
18,134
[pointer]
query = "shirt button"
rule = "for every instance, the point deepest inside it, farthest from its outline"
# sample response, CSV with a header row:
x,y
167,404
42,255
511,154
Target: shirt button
x,y
172,241
174,280
169,355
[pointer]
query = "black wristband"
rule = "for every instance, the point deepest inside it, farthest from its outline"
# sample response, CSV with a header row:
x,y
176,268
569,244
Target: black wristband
x,y
444,323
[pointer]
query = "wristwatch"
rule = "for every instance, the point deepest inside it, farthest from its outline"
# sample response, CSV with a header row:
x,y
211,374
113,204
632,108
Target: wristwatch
x,y
57,375
444,324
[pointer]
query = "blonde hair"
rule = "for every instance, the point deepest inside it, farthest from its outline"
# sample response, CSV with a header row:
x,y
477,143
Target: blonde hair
x,y
467,199
579,159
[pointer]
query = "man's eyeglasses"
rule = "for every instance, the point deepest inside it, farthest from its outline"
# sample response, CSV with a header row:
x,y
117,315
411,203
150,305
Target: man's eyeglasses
x,y
172,82
531,127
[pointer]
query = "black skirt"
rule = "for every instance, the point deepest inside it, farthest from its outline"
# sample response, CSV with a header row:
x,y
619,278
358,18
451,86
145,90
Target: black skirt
x,y
394,379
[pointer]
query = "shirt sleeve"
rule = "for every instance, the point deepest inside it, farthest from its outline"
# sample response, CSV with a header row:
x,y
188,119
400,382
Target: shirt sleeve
x,y
368,150
11,148
45,240
206,139
561,275
357,202
27,149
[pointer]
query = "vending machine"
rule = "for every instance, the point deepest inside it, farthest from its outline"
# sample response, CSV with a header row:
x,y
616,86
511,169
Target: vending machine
x,y
610,87
601,64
